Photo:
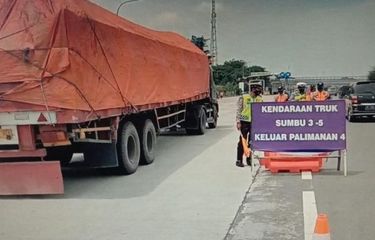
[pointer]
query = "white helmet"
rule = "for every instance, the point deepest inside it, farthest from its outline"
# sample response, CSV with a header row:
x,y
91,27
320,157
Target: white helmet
x,y
301,85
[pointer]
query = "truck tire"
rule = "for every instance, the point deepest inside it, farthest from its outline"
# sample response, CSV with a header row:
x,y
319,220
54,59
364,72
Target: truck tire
x,y
148,140
215,115
128,149
201,120
63,154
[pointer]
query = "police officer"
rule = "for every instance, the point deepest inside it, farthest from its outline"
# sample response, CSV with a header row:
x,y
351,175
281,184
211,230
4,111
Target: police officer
x,y
281,96
321,94
243,119
300,95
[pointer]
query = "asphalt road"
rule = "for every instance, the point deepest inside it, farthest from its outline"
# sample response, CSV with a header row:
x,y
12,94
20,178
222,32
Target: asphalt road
x,y
275,207
350,201
194,191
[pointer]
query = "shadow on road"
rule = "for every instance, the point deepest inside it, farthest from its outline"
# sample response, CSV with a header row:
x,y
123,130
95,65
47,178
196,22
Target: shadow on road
x,y
174,151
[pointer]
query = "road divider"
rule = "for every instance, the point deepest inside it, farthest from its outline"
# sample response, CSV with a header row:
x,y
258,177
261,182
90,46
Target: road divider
x,y
294,162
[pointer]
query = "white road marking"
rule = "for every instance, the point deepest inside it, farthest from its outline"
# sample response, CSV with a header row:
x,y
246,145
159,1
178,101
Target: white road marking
x,y
306,175
309,213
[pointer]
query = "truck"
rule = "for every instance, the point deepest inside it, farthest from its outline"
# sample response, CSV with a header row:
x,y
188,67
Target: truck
x,y
76,78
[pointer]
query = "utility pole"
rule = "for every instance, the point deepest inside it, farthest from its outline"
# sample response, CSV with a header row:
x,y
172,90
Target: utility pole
x,y
213,44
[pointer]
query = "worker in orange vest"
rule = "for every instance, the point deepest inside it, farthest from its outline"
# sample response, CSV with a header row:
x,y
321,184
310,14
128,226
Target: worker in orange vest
x,y
310,93
282,96
321,94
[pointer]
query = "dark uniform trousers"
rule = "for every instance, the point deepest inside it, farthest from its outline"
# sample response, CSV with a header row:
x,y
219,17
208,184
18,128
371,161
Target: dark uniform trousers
x,y
245,131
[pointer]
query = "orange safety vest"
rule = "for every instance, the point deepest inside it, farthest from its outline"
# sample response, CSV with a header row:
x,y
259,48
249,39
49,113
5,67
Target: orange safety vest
x,y
310,96
281,98
321,96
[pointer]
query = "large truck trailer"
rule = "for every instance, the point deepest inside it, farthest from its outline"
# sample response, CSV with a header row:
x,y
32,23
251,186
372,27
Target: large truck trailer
x,y
76,78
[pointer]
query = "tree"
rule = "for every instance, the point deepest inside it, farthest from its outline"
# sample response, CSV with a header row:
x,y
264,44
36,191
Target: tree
x,y
230,72
200,42
371,74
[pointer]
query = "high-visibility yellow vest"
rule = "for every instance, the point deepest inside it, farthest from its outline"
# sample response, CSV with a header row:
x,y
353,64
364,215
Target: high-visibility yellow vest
x,y
300,97
246,107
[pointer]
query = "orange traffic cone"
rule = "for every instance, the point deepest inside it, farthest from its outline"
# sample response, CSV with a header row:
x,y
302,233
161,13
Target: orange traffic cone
x,y
321,231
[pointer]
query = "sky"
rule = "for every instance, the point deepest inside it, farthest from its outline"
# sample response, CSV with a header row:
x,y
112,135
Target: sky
x,y
305,37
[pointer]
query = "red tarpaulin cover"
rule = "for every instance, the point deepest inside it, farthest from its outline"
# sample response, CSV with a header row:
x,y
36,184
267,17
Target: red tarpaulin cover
x,y
75,55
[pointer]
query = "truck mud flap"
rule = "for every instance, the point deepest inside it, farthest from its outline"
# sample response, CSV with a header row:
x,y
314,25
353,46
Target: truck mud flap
x,y
100,155
31,178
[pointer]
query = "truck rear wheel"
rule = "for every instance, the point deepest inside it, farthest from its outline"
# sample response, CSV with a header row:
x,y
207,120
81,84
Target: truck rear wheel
x,y
128,149
215,116
201,119
148,142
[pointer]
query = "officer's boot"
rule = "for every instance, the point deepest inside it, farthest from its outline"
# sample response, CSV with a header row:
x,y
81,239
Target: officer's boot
x,y
239,163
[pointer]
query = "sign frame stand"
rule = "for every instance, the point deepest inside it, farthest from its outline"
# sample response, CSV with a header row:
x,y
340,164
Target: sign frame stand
x,y
343,152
